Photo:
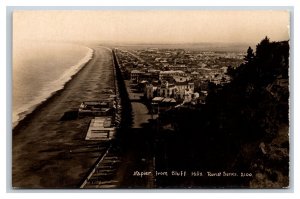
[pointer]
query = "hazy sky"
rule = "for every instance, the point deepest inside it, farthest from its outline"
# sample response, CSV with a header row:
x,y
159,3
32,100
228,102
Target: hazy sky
x,y
152,26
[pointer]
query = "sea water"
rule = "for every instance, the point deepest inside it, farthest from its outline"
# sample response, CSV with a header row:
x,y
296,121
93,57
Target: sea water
x,y
40,69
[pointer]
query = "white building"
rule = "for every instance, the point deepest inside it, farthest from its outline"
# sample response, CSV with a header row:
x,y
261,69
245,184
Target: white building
x,y
195,75
135,75
149,91
166,90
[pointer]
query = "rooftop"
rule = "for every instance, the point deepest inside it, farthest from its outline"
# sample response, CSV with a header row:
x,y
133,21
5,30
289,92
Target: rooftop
x,y
171,71
100,129
136,71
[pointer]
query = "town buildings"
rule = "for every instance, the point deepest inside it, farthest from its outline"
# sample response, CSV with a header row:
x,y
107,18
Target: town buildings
x,y
176,76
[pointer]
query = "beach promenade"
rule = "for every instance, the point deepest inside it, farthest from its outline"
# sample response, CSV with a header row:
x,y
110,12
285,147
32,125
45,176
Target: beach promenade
x,y
50,153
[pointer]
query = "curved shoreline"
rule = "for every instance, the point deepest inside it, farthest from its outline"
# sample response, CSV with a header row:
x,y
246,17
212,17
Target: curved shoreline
x,y
50,153
35,108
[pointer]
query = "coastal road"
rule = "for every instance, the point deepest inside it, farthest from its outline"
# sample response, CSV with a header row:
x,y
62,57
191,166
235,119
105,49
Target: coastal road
x,y
50,153
140,114
139,110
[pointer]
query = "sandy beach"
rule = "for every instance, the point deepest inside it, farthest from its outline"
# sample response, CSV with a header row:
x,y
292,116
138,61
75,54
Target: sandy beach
x,y
50,153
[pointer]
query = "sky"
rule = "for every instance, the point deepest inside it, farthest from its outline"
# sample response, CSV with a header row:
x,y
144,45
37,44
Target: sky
x,y
164,26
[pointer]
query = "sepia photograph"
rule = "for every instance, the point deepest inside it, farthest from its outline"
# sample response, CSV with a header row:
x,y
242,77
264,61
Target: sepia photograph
x,y
151,99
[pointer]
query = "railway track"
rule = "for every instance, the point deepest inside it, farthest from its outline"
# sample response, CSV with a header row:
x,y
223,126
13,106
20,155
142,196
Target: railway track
x,y
103,175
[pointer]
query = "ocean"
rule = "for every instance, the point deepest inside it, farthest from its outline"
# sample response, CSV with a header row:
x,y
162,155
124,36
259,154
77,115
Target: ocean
x,y
40,69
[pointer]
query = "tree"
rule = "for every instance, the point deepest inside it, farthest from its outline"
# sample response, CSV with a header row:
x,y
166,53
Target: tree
x,y
250,55
230,71
263,49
